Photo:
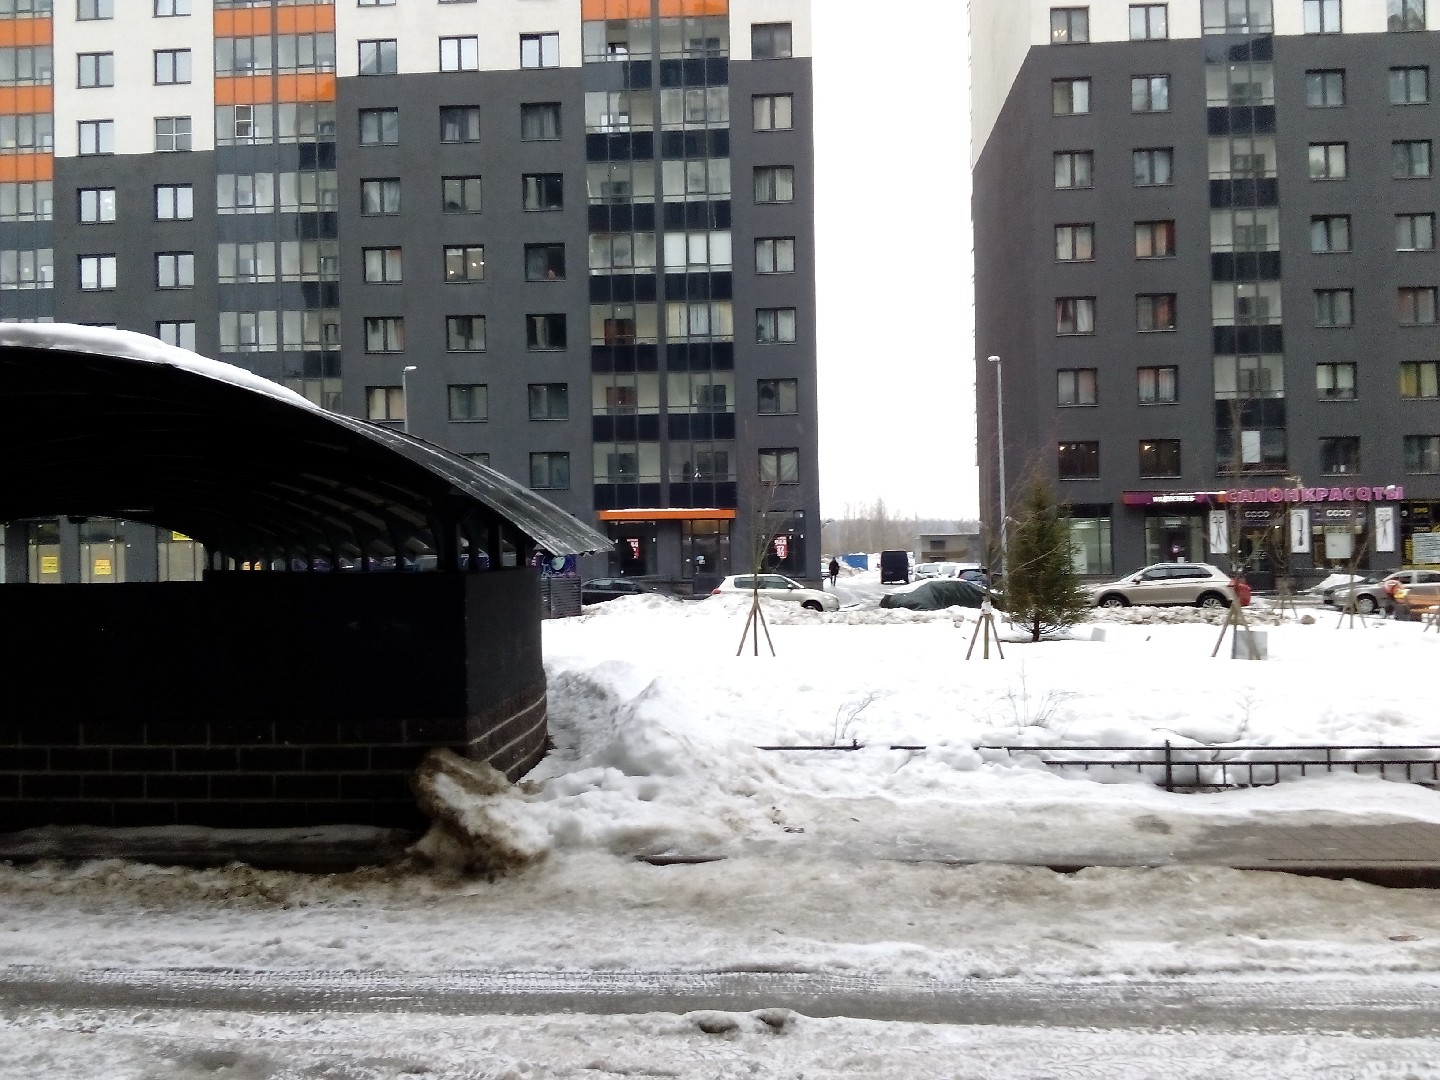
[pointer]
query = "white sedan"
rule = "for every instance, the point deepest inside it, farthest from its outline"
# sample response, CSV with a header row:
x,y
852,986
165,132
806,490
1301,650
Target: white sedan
x,y
778,587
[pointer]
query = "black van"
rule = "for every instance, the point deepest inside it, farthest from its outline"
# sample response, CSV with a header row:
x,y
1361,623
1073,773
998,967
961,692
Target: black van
x,y
894,566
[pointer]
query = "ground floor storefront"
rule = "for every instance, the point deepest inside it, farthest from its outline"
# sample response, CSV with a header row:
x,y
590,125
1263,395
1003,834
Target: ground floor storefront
x,y
1270,532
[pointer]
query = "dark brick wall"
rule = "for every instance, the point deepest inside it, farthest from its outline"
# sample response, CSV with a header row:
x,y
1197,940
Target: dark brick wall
x,y
261,700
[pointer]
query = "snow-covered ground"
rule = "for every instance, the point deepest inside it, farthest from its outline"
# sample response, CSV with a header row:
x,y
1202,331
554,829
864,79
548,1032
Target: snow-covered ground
x,y
885,862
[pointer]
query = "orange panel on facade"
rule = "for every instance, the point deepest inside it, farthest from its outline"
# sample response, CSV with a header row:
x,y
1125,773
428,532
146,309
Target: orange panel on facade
x,y
656,514
615,9
26,167
26,31
669,8
306,19
305,88
26,99
242,22
244,89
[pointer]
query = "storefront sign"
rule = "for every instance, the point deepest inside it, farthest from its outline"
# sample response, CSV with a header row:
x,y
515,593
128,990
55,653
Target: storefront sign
x,y
1219,532
1169,498
1388,493
1261,518
782,547
1335,515
1384,528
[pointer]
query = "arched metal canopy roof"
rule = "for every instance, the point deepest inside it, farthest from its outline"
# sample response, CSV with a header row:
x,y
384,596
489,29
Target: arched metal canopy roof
x,y
109,423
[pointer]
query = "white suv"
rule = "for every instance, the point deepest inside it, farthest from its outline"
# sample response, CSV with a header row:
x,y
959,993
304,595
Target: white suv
x,y
777,587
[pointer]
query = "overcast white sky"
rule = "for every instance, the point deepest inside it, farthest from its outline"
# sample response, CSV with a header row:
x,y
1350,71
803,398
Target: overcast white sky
x,y
894,283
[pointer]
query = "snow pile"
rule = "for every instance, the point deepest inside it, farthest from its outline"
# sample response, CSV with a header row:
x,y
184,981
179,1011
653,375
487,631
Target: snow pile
x,y
478,820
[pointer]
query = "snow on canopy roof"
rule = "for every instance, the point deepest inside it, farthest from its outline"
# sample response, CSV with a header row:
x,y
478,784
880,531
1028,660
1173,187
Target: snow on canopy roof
x,y
117,424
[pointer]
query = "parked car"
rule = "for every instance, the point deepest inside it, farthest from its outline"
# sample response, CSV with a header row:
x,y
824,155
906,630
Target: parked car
x,y
1372,595
599,590
926,570
1172,583
778,587
894,566
1412,599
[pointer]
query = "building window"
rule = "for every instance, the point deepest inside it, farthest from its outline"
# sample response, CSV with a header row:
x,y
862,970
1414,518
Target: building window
x,y
380,57
1079,460
1322,16
1154,312
385,334
27,200
550,471
169,8
96,205
543,191
1414,232
1325,89
1069,26
1153,167
379,127
775,255
1329,161
778,397
1330,233
469,402
544,262
539,50
773,112
383,265
1150,93
1420,379
1409,85
1410,159
774,325
1159,458
460,194
172,66
1070,97
1074,243
1158,385
1154,239
1416,305
175,270
1335,381
97,272
1404,16
380,196
780,466
1422,453
1076,386
179,334
1334,307
385,403
377,3
172,133
465,333
774,183
540,121
464,263
26,133
1340,455
1074,169
545,332
1148,22
460,123
459,54
88,10
550,401
1075,315
95,69
770,41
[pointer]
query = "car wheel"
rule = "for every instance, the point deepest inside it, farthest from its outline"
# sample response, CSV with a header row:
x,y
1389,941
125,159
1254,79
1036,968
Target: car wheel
x,y
1212,600
1366,605
1113,600
812,605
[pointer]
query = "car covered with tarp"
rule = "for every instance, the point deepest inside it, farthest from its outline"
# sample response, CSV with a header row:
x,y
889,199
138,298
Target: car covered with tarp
x,y
936,595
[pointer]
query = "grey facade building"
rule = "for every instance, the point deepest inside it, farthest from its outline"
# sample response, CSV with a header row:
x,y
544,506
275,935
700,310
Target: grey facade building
x,y
1205,258
570,239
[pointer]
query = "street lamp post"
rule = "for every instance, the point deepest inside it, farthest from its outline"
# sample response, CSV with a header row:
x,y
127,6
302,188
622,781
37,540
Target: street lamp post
x,y
405,396
1000,441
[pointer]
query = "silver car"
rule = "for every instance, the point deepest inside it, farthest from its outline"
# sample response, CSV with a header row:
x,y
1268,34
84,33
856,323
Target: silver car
x,y
778,587
1168,583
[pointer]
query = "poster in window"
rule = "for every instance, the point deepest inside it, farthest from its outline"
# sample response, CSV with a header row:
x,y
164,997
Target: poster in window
x,y
1385,528
1299,531
1219,532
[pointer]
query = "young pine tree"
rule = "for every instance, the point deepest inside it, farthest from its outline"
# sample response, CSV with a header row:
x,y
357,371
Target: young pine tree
x,y
1042,592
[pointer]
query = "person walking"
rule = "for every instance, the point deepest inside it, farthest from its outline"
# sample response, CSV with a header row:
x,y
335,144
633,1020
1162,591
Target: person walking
x,y
834,570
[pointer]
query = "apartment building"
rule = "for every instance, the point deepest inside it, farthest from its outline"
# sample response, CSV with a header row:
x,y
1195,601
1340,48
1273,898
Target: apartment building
x,y
1205,260
571,239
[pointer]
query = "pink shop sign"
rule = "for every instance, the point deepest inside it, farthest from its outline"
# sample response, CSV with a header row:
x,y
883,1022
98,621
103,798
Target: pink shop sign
x,y
1377,493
